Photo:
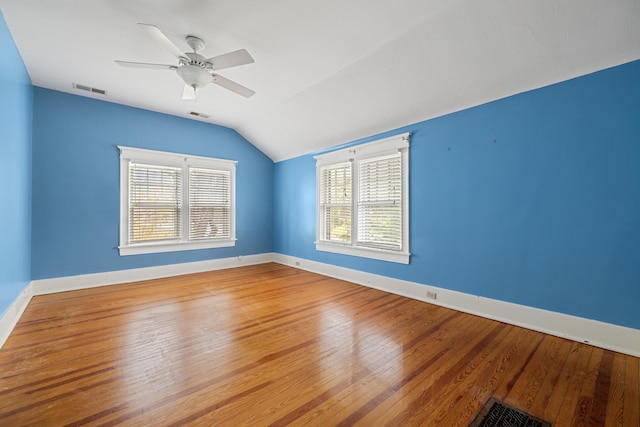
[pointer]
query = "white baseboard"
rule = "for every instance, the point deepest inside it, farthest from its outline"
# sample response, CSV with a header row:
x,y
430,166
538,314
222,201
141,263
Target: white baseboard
x,y
85,281
605,335
14,312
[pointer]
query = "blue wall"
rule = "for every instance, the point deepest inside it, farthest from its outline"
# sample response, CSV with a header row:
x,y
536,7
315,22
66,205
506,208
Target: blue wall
x,y
533,199
16,97
76,183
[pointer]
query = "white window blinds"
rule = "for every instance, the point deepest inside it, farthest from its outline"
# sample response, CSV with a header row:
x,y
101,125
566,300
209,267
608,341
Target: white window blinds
x,y
380,202
209,203
154,203
173,202
335,202
363,200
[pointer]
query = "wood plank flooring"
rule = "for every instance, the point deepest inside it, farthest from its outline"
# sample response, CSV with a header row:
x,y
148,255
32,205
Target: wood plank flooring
x,y
270,345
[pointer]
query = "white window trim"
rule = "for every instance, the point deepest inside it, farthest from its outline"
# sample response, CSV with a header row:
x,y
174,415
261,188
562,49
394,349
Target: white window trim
x,y
360,152
183,161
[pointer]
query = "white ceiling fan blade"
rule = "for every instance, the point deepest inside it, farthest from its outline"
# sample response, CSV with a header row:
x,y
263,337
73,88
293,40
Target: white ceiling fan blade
x,y
232,86
189,93
145,65
231,59
157,34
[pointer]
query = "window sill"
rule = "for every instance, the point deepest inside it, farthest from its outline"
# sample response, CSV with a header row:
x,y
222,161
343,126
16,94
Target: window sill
x,y
152,248
391,256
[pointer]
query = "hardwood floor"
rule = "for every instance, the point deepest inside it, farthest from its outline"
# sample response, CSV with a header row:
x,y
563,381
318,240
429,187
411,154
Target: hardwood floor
x,y
273,345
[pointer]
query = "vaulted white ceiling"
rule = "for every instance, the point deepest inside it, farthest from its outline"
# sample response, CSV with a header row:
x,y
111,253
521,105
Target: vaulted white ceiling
x,y
325,72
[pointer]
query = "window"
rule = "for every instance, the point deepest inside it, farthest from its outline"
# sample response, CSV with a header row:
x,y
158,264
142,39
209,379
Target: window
x,y
335,202
363,200
172,202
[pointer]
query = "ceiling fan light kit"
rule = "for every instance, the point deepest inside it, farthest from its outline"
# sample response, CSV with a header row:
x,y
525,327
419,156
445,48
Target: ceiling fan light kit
x,y
194,69
193,75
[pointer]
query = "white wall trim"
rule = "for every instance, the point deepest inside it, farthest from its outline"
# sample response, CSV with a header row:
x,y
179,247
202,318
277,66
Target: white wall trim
x,y
85,281
605,335
600,334
14,312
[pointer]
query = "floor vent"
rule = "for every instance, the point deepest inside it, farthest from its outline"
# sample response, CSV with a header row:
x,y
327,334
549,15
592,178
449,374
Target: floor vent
x,y
496,414
90,89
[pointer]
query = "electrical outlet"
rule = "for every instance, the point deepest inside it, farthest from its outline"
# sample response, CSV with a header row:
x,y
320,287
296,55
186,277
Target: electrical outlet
x,y
432,295
297,263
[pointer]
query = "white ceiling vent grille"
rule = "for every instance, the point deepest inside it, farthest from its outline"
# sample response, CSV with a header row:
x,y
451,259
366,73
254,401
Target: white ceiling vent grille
x,y
196,114
90,89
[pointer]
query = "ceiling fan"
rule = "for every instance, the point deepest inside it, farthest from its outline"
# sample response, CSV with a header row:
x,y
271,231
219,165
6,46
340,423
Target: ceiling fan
x,y
194,69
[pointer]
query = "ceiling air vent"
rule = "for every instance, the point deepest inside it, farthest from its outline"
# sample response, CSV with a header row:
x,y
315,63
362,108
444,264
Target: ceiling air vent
x,y
196,114
90,89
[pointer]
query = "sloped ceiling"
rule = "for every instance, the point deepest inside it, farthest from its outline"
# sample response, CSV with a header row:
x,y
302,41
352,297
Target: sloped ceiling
x,y
325,72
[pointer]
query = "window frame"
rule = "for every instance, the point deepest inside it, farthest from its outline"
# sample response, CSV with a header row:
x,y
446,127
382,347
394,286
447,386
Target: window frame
x,y
130,155
354,155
